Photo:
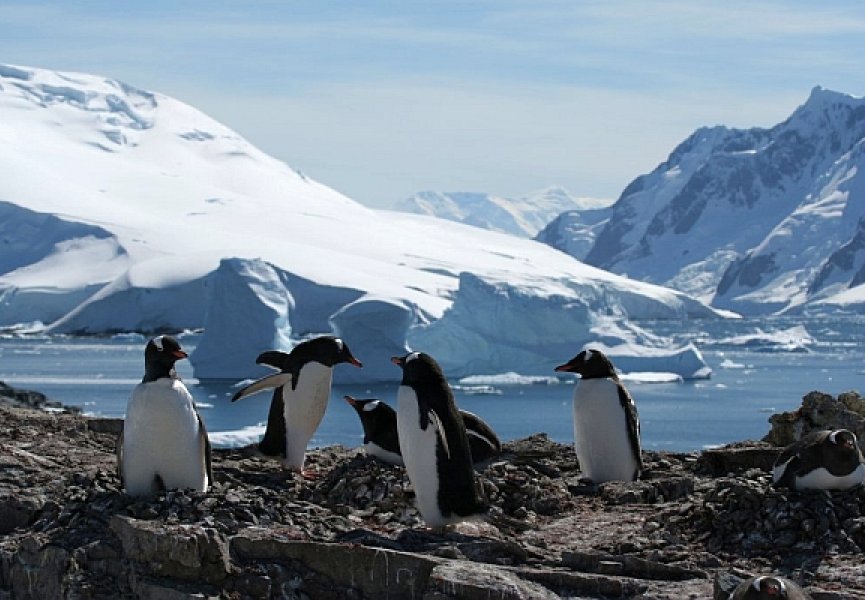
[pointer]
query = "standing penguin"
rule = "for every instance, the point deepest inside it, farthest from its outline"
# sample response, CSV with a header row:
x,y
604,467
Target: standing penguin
x,y
301,391
164,443
606,425
380,437
765,587
434,444
822,460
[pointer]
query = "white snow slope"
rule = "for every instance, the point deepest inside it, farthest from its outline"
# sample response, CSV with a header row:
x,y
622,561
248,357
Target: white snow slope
x,y
122,209
524,216
757,221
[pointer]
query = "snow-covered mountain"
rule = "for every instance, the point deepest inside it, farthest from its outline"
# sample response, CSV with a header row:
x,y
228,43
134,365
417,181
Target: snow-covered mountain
x,y
575,231
523,216
756,220
122,209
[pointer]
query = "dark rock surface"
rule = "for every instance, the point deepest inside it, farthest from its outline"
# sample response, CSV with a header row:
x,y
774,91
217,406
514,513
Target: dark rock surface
x,y
694,526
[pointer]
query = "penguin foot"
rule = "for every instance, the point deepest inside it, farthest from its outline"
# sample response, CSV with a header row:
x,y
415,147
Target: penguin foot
x,y
309,474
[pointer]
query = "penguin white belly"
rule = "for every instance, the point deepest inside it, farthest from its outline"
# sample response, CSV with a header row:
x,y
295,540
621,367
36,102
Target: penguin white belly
x,y
822,479
419,451
161,437
391,458
304,409
601,432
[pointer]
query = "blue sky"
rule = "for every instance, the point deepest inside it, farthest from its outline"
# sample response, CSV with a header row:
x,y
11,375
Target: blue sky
x,y
383,99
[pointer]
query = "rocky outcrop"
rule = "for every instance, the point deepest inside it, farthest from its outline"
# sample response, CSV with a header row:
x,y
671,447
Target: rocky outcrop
x,y
691,528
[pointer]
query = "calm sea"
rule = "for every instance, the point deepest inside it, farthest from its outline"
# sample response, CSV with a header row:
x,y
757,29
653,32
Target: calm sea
x,y
748,384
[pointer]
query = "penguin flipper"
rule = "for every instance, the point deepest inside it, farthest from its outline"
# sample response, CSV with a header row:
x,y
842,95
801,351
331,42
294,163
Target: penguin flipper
x,y
119,453
205,443
633,421
265,383
479,429
437,423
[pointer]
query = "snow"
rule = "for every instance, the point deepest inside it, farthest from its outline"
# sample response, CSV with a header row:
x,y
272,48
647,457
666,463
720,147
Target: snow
x,y
524,216
792,339
131,211
509,378
251,434
650,377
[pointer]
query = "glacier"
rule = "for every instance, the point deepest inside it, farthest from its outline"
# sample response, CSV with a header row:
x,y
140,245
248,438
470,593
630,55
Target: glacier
x,y
132,211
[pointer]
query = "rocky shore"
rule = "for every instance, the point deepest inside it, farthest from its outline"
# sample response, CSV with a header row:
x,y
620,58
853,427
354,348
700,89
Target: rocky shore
x,y
691,528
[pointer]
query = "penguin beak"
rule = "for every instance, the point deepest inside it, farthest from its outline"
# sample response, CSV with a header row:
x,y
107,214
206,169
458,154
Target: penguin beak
x,y
350,400
565,368
178,354
355,362
397,361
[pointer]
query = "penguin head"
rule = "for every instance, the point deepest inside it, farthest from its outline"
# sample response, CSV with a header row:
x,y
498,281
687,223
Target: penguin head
x,y
768,587
365,406
374,414
590,364
327,350
419,368
843,440
160,354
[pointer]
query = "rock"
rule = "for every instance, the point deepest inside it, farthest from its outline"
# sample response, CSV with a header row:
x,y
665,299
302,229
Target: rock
x,y
737,458
69,531
10,396
819,411
186,552
481,582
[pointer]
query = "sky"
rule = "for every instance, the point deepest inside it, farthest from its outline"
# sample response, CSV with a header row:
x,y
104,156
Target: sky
x,y
381,100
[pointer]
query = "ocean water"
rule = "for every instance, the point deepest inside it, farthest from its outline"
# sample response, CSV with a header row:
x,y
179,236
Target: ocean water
x,y
751,380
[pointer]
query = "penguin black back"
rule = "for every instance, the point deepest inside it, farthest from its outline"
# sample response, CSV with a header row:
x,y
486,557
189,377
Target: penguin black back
x,y
457,489
822,459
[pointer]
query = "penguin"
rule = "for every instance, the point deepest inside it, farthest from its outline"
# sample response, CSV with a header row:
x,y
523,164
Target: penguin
x,y
606,424
301,390
822,460
380,437
434,444
164,443
768,588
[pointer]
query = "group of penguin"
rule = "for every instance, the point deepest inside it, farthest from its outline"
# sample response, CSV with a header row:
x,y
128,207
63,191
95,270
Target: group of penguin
x,y
164,443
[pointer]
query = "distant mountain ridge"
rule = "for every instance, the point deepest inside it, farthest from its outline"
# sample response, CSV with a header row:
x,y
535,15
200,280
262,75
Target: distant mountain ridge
x,y
754,220
524,216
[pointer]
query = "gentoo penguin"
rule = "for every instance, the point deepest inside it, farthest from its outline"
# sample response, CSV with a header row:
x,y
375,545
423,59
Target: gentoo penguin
x,y
164,443
302,389
434,444
606,425
380,437
768,588
823,460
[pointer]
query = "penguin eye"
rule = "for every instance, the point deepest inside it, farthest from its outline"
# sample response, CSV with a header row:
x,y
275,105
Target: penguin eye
x,y
588,356
157,341
370,406
411,357
339,344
